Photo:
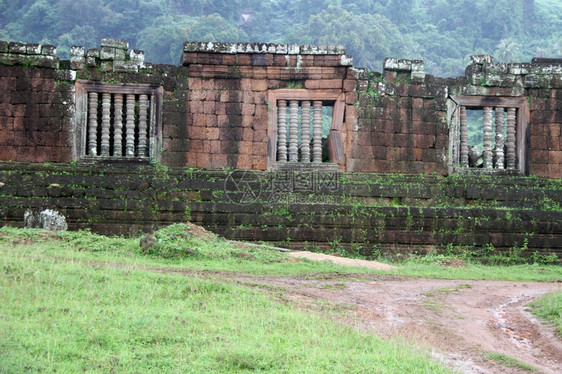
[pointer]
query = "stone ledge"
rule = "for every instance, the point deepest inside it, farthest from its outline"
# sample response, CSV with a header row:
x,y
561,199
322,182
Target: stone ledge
x,y
284,49
41,61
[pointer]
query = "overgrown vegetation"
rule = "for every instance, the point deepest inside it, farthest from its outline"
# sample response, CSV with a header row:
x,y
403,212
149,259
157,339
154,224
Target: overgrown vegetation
x,y
549,308
509,361
443,33
487,255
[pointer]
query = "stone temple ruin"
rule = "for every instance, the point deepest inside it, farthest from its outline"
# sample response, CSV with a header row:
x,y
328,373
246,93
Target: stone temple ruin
x,y
288,144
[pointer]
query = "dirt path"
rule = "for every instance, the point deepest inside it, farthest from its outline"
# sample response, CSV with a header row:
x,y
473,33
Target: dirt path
x,y
461,320
341,260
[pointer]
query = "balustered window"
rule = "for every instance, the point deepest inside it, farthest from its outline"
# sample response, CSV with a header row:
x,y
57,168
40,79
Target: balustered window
x,y
304,129
488,134
120,121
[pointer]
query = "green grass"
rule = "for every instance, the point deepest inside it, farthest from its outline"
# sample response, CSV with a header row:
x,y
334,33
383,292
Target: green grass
x,y
216,254
509,361
80,302
549,308
76,302
522,273
207,253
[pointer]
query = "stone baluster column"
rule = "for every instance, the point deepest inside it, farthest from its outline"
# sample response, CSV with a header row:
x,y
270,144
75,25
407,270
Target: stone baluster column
x,y
130,126
487,155
93,124
282,131
105,123
317,131
464,137
118,125
143,126
500,141
510,141
293,131
305,131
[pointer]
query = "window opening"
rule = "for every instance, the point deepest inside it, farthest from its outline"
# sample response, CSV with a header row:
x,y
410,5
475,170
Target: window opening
x,y
303,130
489,133
118,121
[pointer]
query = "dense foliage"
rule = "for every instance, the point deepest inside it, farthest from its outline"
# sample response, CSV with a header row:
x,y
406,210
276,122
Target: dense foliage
x,y
441,32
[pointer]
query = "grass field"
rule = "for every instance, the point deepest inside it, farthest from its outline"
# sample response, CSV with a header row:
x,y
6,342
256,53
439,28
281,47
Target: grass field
x,y
549,308
78,302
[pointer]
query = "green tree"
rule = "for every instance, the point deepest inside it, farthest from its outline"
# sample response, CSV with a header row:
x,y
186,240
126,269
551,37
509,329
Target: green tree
x,y
368,38
163,41
508,50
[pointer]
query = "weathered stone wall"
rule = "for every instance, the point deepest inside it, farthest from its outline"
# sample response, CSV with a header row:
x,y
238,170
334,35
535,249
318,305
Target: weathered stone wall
x,y
540,82
363,213
216,108
402,125
228,99
37,102
397,126
35,105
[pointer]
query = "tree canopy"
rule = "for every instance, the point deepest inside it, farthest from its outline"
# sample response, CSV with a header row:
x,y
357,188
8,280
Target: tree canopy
x,y
441,32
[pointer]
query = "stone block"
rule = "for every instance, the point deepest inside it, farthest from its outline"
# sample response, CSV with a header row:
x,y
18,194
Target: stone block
x,y
535,80
519,68
418,77
17,48
404,65
115,43
77,62
351,97
106,66
390,63
219,161
346,60
538,142
481,59
244,161
77,51
120,54
107,53
546,69
259,85
349,84
91,61
136,55
211,120
125,66
247,109
33,49
323,84
94,53
3,46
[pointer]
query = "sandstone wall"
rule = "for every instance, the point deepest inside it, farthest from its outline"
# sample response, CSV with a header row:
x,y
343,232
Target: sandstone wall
x,y
217,106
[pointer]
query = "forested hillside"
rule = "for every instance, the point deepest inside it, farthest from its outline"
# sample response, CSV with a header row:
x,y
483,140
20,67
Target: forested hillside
x,y
441,32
